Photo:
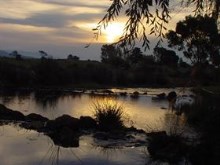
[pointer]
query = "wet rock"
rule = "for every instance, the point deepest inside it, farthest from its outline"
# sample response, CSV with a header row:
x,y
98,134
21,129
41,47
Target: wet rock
x,y
183,103
123,94
36,117
107,91
87,122
64,121
171,96
161,96
135,95
8,114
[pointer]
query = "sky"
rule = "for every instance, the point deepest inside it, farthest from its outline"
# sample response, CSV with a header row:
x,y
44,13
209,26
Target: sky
x,y
60,27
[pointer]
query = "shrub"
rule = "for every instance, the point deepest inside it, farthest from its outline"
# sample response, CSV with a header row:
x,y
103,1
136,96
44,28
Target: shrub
x,y
109,116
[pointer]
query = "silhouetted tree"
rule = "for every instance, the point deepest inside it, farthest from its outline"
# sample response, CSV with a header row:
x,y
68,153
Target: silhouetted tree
x,y
166,57
16,55
136,55
71,57
154,13
198,38
43,54
112,55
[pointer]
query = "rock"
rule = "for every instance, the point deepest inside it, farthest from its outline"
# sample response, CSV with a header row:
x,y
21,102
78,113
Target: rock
x,y
183,103
107,91
171,96
161,96
87,122
135,95
64,131
8,114
36,117
64,121
123,93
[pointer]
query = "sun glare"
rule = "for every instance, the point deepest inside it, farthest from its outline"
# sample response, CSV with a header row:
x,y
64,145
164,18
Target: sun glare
x,y
113,32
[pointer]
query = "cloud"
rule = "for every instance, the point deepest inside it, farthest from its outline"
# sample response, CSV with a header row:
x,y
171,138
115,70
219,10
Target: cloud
x,y
82,3
52,24
55,20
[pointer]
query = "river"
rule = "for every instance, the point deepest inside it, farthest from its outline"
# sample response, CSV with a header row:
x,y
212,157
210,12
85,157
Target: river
x,y
24,147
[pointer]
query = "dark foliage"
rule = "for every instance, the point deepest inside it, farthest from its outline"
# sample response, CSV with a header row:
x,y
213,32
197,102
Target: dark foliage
x,y
109,116
204,115
72,73
198,38
167,57
154,13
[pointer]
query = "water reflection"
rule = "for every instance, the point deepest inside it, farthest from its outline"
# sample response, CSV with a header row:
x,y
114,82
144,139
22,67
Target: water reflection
x,y
142,110
53,104
30,147
54,155
19,146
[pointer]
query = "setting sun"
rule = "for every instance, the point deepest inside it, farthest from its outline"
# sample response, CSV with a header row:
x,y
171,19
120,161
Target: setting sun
x,y
113,32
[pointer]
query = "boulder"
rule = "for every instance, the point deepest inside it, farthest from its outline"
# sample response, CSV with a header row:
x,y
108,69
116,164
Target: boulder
x,y
8,114
35,117
135,95
65,121
87,122
123,93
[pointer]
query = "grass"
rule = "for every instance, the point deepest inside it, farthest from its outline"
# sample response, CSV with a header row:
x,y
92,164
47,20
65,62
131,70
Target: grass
x,y
109,115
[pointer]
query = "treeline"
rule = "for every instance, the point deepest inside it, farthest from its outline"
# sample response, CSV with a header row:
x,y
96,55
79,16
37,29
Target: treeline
x,y
51,72
163,69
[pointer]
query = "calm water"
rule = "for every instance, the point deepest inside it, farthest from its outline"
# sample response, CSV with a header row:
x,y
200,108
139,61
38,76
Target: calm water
x,y
22,147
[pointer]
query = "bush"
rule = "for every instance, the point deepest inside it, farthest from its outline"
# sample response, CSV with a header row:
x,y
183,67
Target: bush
x,y
109,116
204,115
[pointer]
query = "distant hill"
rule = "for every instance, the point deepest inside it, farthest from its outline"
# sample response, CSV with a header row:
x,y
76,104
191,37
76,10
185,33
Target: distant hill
x,y
4,53
24,54
27,54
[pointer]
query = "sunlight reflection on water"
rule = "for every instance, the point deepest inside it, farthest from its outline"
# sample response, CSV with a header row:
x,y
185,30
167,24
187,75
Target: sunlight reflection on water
x,y
142,111
22,147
